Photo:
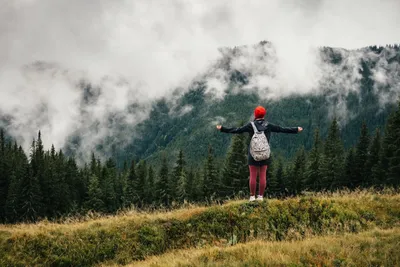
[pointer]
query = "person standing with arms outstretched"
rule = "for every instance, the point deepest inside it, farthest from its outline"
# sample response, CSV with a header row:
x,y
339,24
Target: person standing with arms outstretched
x,y
260,125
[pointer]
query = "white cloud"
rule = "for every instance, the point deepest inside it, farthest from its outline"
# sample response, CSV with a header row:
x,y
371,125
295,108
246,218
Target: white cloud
x,y
136,51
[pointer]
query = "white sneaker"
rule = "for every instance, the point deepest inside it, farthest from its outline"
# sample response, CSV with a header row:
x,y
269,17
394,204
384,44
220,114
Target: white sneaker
x,y
252,198
260,198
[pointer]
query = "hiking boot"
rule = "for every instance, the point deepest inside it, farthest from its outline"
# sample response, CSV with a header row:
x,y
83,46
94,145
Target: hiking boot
x,y
260,198
252,198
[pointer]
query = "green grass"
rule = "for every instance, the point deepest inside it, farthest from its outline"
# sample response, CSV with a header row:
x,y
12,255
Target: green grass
x,y
126,238
372,248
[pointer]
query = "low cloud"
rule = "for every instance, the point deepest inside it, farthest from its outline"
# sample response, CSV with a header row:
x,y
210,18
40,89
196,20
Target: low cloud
x,y
83,67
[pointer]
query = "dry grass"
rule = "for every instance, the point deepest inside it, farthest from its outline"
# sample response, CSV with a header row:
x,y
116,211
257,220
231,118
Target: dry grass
x,y
372,248
93,219
96,220
134,235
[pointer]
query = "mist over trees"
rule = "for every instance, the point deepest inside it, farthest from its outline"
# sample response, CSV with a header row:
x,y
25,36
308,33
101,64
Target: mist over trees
x,y
182,158
48,184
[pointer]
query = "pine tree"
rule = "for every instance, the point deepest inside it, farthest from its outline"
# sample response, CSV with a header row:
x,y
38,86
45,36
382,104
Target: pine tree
x,y
332,166
95,195
75,182
313,170
176,175
197,189
162,184
189,185
351,176
54,179
272,183
235,174
150,186
280,189
19,165
4,178
297,174
392,148
119,186
211,183
141,181
30,198
38,171
373,161
109,187
181,193
65,188
386,149
95,166
360,158
278,180
131,187
12,207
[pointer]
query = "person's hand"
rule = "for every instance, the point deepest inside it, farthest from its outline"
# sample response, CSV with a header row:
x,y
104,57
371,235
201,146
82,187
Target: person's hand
x,y
219,127
299,129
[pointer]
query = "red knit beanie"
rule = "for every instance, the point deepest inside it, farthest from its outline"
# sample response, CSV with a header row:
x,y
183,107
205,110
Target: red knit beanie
x,y
259,112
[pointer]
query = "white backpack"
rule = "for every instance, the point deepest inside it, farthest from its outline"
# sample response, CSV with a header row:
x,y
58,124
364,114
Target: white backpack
x,y
259,146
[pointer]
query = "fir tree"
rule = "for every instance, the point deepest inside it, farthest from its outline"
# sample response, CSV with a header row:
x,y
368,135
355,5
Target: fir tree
x,y
181,193
297,173
59,196
197,189
272,183
150,186
95,166
162,184
332,166
19,166
12,207
38,171
392,148
176,175
360,158
75,182
373,161
30,198
141,181
95,195
350,172
313,170
210,181
235,174
279,175
4,178
110,178
65,188
189,185
131,187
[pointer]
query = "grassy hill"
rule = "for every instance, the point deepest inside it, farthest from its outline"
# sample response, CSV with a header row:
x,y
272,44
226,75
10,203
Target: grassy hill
x,y
371,248
134,236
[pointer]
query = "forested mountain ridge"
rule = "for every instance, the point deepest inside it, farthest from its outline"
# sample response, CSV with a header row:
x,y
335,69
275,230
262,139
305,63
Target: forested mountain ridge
x,y
349,141
189,122
351,85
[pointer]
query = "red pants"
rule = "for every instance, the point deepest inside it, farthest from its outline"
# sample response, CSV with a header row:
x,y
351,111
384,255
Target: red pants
x,y
253,179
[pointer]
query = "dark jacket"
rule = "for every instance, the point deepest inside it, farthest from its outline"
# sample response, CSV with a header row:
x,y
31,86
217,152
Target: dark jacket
x,y
261,125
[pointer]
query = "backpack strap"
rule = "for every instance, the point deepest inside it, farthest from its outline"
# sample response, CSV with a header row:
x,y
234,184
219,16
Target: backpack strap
x,y
254,127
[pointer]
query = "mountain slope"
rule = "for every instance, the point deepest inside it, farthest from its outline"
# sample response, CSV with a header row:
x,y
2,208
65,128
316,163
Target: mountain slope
x,y
360,85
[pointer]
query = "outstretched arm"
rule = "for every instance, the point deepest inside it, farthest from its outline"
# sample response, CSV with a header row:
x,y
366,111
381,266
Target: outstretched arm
x,y
244,129
279,129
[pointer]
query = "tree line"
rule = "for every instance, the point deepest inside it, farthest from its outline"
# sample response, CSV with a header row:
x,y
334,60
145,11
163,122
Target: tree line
x,y
48,184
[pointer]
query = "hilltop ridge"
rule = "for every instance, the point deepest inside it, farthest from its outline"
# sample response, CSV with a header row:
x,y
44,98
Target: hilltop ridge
x,y
126,238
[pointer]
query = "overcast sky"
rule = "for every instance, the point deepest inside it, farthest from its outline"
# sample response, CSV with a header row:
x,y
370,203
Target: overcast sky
x,y
156,46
